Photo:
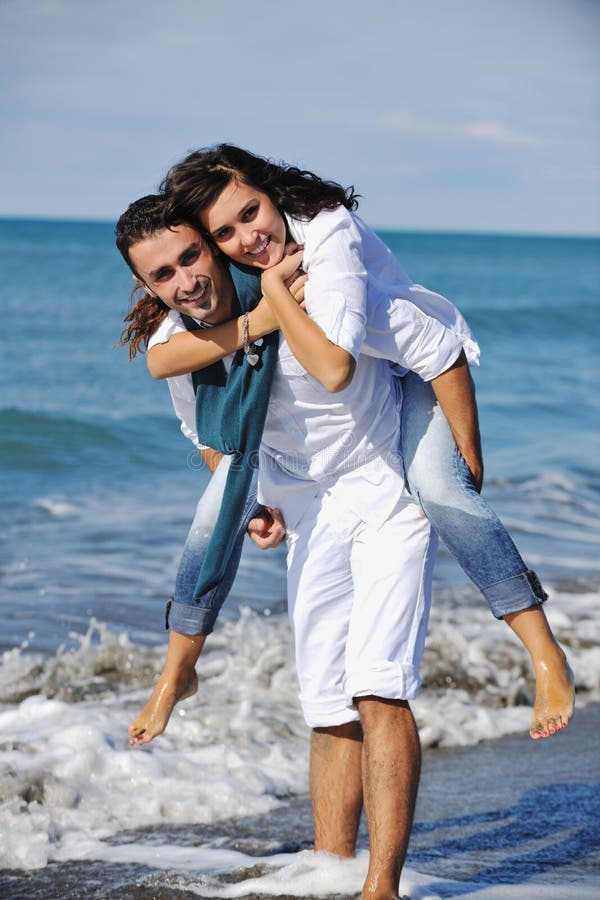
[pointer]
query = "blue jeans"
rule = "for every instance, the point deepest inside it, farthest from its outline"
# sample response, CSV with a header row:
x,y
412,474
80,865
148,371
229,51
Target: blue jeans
x,y
187,613
440,480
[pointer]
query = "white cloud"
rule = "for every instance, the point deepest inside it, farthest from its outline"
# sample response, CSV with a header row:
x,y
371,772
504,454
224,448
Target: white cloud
x,y
488,130
499,133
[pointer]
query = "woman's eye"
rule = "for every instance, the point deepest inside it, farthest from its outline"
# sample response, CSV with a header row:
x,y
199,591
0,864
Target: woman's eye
x,y
250,213
222,234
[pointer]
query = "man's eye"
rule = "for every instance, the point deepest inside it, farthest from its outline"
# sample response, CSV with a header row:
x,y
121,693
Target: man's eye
x,y
190,258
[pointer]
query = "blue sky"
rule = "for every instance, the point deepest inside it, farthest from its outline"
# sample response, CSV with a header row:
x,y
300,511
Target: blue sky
x,y
476,115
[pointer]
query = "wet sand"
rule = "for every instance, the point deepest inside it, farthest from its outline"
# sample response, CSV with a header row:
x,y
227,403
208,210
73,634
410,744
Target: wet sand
x,y
514,812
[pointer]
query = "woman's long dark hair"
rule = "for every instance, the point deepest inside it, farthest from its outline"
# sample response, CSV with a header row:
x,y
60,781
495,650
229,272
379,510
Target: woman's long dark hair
x,y
194,184
142,219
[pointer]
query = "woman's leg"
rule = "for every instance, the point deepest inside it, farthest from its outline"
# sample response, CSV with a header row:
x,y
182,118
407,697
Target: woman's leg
x,y
190,621
187,613
177,681
439,478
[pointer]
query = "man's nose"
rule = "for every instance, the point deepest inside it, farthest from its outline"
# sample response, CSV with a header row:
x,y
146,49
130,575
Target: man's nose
x,y
187,281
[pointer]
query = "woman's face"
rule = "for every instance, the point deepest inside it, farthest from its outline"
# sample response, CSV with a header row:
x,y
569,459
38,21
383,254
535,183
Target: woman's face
x,y
246,226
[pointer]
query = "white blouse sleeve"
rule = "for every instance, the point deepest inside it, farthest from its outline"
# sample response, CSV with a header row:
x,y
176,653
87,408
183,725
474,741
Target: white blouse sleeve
x,y
336,290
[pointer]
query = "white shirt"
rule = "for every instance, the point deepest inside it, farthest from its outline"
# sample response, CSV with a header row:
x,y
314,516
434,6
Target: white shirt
x,y
348,442
314,440
181,387
413,327
363,301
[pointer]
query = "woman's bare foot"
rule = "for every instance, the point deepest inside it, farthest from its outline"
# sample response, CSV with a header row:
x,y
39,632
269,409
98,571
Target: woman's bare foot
x,y
554,685
153,719
554,696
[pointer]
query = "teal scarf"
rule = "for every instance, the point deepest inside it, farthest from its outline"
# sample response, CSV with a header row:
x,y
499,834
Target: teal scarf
x,y
230,416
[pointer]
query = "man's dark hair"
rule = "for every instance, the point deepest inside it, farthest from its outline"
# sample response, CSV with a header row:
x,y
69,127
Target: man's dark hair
x,y
142,219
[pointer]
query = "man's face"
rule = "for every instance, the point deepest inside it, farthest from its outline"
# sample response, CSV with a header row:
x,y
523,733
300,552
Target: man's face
x,y
178,266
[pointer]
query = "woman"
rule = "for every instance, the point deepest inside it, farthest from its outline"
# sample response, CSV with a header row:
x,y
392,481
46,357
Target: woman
x,y
360,554
250,207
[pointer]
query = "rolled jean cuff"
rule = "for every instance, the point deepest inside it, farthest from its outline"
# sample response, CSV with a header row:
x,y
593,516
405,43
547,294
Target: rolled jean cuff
x,y
191,620
515,594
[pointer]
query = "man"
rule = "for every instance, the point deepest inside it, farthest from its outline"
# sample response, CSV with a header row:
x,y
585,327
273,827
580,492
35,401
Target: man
x,y
176,268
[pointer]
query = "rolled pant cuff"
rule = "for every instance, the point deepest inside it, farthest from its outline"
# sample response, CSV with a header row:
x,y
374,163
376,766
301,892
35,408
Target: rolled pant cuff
x,y
192,620
515,594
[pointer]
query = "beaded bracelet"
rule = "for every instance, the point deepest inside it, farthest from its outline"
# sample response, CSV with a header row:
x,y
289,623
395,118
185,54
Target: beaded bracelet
x,y
249,349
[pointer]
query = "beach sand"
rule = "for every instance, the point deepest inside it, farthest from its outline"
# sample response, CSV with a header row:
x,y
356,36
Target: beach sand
x,y
514,812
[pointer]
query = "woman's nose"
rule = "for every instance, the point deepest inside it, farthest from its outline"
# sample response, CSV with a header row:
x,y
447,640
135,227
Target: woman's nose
x,y
247,237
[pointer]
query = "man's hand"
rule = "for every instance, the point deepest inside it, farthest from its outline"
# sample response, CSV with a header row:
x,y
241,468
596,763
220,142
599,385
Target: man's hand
x,y
268,530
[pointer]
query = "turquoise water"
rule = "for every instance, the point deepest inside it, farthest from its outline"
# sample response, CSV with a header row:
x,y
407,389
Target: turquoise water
x,y
101,485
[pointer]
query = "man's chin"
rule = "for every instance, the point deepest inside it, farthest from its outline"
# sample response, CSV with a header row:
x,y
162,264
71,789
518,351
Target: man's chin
x,y
202,313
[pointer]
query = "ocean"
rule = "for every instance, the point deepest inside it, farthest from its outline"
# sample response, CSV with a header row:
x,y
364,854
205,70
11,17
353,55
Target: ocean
x,y
99,487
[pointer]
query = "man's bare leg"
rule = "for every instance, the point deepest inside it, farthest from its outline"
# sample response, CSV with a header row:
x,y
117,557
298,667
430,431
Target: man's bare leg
x,y
554,687
177,681
391,771
336,787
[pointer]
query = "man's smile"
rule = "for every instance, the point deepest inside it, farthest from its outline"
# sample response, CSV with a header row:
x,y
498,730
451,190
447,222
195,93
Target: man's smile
x,y
200,298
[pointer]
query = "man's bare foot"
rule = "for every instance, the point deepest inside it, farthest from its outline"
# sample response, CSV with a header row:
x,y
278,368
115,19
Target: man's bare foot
x,y
384,895
153,719
554,696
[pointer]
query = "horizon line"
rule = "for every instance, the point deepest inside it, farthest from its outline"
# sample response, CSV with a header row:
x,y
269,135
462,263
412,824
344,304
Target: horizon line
x,y
378,228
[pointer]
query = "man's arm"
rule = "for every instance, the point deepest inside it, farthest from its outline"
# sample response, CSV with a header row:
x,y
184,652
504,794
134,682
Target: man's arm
x,y
266,530
211,458
455,393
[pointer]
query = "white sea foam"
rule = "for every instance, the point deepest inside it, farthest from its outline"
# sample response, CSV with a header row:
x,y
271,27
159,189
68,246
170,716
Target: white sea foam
x,y
69,782
56,506
323,875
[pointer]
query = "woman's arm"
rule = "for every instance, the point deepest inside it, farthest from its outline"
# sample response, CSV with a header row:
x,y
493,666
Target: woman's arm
x,y
331,365
193,350
336,297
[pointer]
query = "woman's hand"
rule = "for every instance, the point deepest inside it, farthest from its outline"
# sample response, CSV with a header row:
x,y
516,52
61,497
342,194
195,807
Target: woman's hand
x,y
329,363
295,285
287,270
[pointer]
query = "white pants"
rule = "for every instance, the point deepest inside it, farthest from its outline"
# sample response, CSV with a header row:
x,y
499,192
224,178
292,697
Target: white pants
x,y
358,601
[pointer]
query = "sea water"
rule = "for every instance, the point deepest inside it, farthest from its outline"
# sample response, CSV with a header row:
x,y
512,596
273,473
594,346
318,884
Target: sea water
x,y
99,487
